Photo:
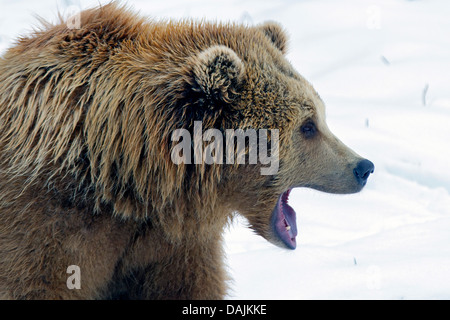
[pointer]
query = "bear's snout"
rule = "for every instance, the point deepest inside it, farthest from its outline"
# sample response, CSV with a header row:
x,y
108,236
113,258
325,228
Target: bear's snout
x,y
363,170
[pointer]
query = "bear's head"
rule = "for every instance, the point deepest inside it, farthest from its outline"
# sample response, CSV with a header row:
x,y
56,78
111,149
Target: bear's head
x,y
253,126
250,85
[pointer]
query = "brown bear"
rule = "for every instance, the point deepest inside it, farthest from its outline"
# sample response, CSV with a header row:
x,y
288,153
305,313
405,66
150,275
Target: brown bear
x,y
92,205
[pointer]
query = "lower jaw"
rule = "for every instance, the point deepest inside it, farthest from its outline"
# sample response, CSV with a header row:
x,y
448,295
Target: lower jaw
x,y
283,223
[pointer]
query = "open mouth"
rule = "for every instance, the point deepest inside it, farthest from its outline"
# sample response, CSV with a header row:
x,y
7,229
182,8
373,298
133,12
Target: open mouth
x,y
284,221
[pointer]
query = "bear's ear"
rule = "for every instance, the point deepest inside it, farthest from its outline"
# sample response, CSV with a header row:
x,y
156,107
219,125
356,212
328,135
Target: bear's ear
x,y
218,73
276,34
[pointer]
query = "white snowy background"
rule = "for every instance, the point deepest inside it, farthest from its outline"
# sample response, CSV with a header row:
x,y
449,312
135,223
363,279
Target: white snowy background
x,y
383,69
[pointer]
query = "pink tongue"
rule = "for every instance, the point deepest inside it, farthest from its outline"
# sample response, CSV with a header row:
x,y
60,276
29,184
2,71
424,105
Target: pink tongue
x,y
284,221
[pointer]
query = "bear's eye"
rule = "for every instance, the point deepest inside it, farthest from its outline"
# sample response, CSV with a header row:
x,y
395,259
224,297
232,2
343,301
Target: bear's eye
x,y
308,129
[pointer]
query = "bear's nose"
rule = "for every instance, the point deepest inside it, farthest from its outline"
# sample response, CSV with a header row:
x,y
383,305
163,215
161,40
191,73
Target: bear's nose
x,y
363,170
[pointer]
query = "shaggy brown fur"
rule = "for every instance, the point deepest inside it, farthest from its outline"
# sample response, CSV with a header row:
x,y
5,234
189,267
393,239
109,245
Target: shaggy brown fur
x,y
86,178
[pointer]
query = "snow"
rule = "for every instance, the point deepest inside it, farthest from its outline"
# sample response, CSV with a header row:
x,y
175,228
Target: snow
x,y
382,68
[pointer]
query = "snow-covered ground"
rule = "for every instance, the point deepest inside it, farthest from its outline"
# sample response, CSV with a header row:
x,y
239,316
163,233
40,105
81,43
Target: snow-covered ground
x,y
383,69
